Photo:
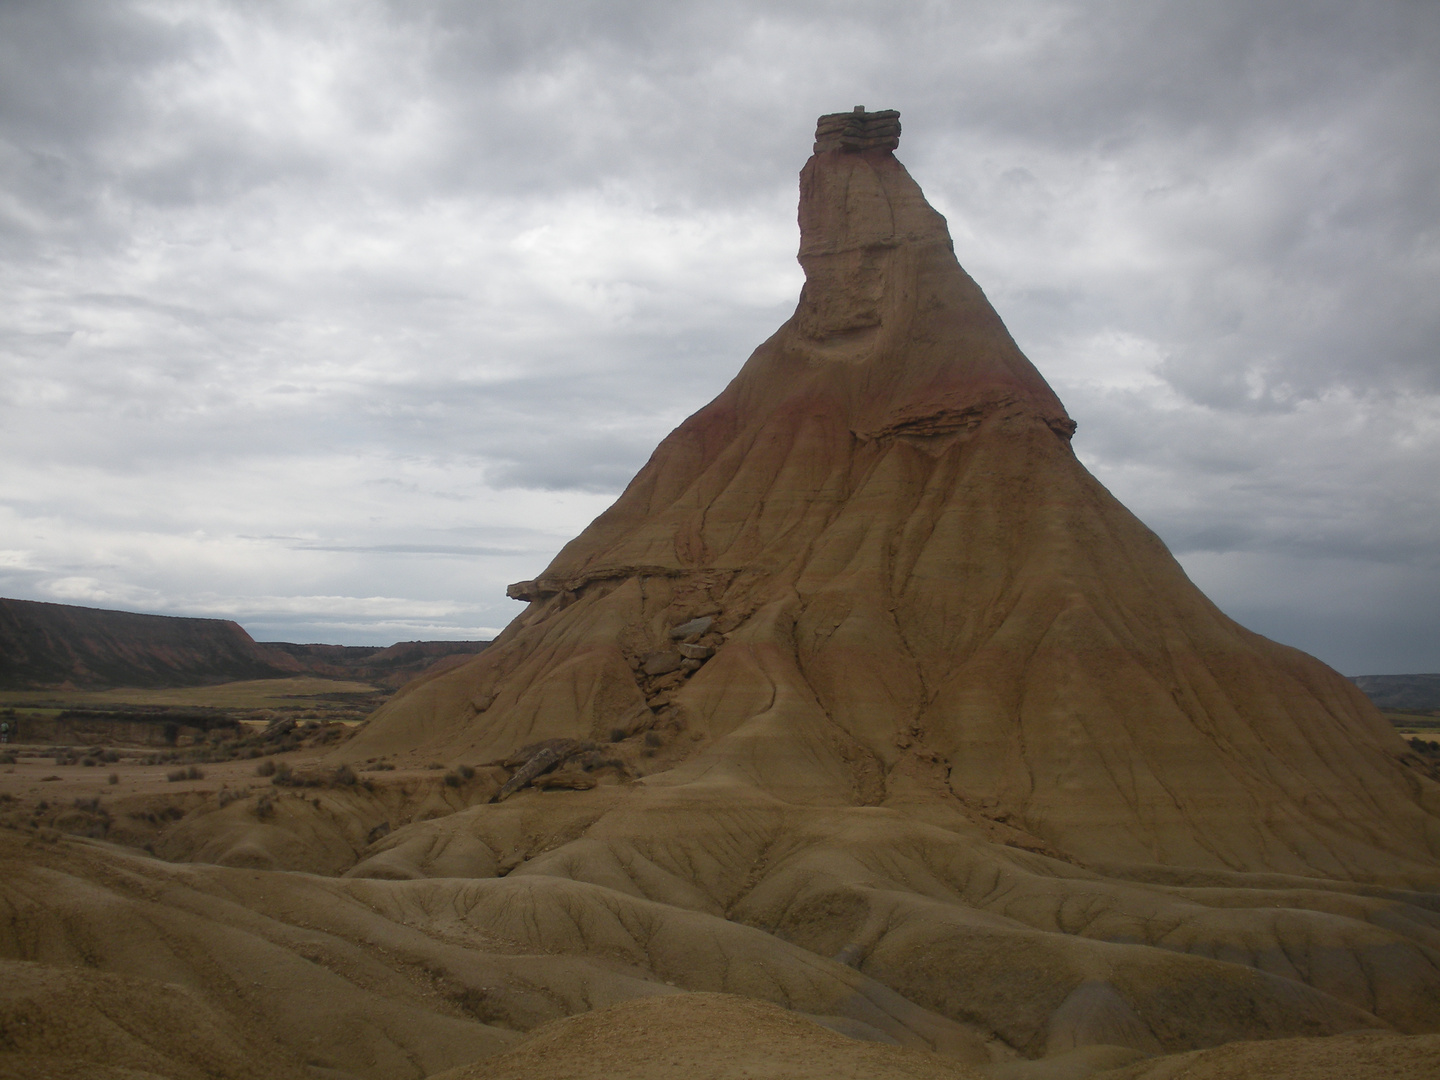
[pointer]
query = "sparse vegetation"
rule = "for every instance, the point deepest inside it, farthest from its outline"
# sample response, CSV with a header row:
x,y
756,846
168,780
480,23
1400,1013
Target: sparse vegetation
x,y
190,772
113,778
459,775
265,768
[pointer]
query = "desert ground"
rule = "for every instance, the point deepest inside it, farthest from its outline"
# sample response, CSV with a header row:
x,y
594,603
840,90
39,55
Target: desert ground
x,y
393,921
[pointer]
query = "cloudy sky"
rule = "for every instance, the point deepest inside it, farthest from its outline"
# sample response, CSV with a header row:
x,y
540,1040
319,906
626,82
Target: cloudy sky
x,y
335,317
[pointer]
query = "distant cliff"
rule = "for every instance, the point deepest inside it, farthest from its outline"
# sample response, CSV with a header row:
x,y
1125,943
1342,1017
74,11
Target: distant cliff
x,y
1401,691
61,645
391,666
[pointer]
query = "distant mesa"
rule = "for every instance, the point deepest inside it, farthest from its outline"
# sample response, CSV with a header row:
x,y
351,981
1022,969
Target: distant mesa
x,y
1401,691
44,645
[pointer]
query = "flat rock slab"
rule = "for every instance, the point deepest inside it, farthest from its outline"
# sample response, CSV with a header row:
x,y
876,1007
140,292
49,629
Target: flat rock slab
x,y
661,663
693,628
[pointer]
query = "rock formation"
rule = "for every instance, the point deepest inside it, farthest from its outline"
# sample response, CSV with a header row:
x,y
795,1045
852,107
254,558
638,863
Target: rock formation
x,y
864,700
908,582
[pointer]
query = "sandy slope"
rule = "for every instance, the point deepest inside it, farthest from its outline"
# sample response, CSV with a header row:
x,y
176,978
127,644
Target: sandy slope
x,y
704,1037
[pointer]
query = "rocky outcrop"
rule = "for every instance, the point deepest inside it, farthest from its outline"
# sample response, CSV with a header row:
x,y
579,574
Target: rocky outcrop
x,y
857,130
906,567
907,694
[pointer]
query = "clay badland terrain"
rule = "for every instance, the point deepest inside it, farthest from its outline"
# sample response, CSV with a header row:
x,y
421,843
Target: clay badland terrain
x,y
865,735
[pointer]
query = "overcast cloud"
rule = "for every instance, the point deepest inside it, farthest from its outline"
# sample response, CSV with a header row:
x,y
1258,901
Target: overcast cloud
x,y
335,317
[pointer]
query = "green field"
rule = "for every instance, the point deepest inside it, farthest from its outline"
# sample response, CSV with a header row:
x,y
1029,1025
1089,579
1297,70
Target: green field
x,y
1422,722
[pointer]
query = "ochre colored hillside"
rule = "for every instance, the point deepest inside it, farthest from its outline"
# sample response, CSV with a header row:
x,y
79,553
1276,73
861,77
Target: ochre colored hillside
x,y
910,574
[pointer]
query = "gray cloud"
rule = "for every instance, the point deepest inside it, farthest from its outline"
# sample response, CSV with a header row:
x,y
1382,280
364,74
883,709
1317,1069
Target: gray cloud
x,y
336,317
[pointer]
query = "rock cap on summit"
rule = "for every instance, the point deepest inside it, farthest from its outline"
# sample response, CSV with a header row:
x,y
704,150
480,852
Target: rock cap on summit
x,y
857,130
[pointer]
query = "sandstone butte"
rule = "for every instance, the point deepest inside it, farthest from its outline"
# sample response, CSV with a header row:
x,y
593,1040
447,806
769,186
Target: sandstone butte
x,y
864,708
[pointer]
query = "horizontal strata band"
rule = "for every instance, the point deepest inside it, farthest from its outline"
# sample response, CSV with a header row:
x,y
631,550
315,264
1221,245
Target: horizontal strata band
x,y
858,130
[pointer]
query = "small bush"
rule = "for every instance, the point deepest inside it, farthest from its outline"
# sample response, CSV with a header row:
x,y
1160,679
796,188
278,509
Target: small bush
x,y
452,779
190,772
344,777
175,775
281,775
265,768
264,807
652,738
466,772
113,778
617,734
89,762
